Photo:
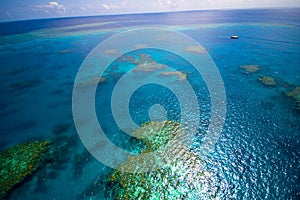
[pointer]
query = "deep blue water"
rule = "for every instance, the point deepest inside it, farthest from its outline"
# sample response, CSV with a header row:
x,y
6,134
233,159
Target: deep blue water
x,y
258,152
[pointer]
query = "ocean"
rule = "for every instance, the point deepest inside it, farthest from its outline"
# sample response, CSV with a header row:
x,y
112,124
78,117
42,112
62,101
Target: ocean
x,y
256,154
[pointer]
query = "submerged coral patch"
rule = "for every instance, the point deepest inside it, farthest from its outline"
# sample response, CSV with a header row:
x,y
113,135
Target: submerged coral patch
x,y
65,51
149,67
19,162
267,80
147,64
250,68
181,76
110,51
195,49
295,94
89,81
180,175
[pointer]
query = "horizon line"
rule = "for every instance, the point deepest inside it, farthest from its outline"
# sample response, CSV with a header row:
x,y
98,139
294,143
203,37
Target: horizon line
x,y
150,12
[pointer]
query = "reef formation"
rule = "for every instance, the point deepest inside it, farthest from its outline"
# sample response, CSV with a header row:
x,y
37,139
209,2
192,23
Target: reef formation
x,y
267,80
195,49
165,169
250,68
181,76
111,51
19,162
295,94
89,81
146,64
290,90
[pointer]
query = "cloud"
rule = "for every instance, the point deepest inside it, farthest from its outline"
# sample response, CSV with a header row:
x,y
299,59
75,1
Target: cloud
x,y
52,7
105,6
110,6
170,3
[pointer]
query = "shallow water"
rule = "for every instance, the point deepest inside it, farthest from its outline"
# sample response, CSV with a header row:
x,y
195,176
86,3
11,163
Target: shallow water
x,y
257,154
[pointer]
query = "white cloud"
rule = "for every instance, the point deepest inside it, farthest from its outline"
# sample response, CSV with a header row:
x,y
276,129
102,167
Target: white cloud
x,y
110,6
170,3
52,7
105,6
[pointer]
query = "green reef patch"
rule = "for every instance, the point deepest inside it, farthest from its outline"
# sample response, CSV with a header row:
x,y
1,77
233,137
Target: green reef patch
x,y
295,94
145,63
249,69
165,169
267,80
19,162
35,162
283,87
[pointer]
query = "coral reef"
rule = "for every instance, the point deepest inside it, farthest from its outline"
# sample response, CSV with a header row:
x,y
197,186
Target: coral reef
x,y
99,80
149,67
267,80
181,76
127,58
90,81
157,134
295,94
65,51
250,68
180,174
195,49
146,64
19,162
110,51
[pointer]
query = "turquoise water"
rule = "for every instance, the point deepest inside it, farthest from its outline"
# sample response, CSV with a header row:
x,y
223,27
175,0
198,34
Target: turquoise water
x,y
257,154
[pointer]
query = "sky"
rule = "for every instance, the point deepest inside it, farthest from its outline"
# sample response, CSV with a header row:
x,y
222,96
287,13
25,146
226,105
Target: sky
x,y
33,9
